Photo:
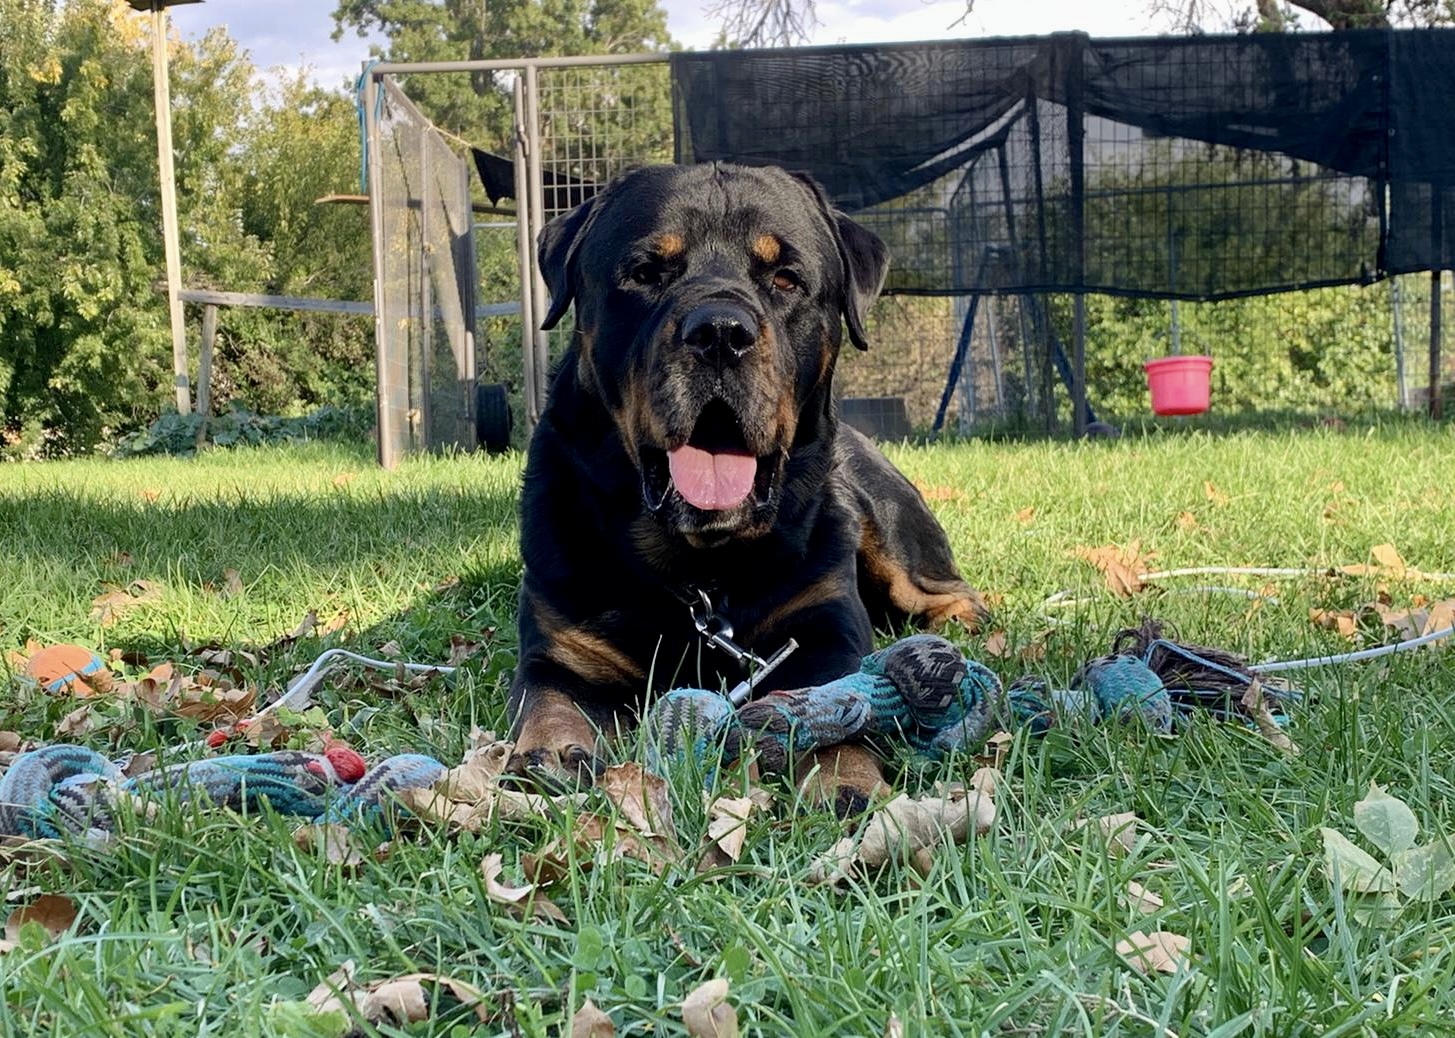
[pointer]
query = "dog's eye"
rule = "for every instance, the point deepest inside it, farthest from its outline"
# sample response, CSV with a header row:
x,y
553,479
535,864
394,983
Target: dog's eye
x,y
787,281
652,272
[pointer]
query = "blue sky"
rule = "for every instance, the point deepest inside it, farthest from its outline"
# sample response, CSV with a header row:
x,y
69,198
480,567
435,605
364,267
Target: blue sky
x,y
291,33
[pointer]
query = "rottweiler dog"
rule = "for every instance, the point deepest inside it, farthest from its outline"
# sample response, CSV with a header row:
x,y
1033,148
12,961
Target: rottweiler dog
x,y
690,447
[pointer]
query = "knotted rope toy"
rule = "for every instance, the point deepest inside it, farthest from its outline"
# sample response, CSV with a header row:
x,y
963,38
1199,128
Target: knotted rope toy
x,y
923,693
63,789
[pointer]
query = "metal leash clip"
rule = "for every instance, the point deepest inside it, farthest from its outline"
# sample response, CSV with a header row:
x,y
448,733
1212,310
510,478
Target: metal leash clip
x,y
719,634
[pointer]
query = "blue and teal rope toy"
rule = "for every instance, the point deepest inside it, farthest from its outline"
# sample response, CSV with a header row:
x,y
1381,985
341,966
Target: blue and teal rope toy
x,y
923,693
63,789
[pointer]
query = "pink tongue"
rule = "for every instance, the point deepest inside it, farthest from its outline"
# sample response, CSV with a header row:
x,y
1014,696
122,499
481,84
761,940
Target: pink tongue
x,y
712,482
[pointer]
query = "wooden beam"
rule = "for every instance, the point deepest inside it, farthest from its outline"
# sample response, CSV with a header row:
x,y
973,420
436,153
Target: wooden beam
x,y
162,96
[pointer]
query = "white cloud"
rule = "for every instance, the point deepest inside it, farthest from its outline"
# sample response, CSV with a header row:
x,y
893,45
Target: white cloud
x,y
296,33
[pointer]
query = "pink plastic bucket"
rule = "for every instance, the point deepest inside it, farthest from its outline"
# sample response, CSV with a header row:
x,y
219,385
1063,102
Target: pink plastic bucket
x,y
1179,385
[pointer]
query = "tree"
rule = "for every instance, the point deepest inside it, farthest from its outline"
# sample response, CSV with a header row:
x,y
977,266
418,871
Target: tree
x,y
83,338
478,107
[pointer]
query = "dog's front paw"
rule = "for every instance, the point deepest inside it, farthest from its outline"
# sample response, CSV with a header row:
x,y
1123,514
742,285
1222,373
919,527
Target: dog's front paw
x,y
554,768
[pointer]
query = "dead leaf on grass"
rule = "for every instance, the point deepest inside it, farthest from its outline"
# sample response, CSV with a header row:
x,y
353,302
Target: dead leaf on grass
x,y
1122,567
893,1028
1186,522
10,742
707,1013
1025,515
337,842
1141,900
1160,950
470,793
232,584
108,607
931,492
905,827
54,914
77,723
993,753
591,1022
1118,830
727,828
1213,494
398,1000
642,799
1341,621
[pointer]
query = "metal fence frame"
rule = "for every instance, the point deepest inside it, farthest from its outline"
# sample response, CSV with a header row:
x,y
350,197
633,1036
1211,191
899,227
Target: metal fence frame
x,y
1046,360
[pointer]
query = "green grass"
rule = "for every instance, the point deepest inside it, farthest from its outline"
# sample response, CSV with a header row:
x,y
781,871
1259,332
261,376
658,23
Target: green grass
x,y
211,925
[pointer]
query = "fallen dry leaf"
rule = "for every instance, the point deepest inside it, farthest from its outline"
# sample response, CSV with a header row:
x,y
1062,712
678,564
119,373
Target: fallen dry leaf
x,y
470,794
1025,515
1341,620
1122,567
1186,521
107,607
1216,496
994,751
591,1022
1141,900
904,827
10,742
54,913
727,828
707,1013
1159,950
336,841
77,723
462,649
938,493
1255,704
149,493
232,584
398,1000
641,797
893,1029
1118,830
491,868
343,479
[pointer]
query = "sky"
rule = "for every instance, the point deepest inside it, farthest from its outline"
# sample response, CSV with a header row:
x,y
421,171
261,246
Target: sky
x,y
294,33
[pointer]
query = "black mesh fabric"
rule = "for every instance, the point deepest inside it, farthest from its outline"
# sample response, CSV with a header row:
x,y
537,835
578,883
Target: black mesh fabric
x,y
1194,168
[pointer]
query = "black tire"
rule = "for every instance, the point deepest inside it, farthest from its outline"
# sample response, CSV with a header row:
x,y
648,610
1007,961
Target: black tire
x,y
492,417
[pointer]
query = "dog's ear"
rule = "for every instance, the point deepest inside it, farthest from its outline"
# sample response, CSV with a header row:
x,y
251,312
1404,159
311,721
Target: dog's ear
x,y
865,259
557,256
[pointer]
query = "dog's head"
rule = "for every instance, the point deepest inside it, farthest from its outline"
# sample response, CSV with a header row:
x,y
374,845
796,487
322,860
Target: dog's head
x,y
710,306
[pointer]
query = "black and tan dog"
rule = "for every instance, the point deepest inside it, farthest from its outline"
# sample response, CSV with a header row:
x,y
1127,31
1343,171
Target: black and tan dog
x,y
690,446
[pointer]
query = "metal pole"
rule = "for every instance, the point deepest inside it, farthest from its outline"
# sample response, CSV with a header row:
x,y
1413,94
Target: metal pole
x,y
470,282
537,225
204,372
392,68
168,178
383,390
1076,140
1437,410
1399,373
523,249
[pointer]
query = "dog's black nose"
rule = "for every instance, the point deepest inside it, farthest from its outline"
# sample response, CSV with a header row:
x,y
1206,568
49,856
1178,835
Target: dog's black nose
x,y
720,332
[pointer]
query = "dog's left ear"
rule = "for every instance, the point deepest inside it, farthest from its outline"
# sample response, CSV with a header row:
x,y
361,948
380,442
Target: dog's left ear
x,y
557,254
865,259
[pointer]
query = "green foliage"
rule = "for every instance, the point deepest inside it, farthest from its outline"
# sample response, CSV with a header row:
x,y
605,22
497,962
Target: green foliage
x,y
1418,873
478,106
237,427
1327,350
85,347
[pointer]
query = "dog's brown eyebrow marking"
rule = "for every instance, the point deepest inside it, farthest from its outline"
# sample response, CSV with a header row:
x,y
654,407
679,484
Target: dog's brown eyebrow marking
x,y
669,244
767,248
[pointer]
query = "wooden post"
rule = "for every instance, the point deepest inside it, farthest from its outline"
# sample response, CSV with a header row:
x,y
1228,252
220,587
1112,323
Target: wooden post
x,y
1437,410
204,372
167,177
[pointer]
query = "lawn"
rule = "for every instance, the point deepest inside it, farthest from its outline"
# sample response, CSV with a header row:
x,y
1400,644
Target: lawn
x,y
202,924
